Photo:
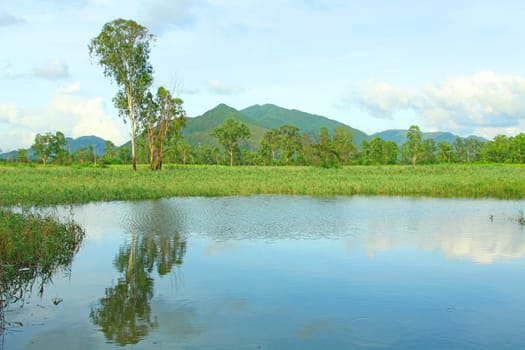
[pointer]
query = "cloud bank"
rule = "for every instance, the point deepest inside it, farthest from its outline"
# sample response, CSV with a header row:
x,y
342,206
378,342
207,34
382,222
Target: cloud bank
x,y
68,112
464,103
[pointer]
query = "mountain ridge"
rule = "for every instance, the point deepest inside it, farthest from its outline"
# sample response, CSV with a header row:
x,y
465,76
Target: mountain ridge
x,y
259,119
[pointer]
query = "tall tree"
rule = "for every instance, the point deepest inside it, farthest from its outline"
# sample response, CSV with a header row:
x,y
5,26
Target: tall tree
x,y
270,145
343,143
517,146
58,148
110,152
22,155
413,143
49,146
161,116
230,134
41,147
427,151
325,150
122,48
171,119
289,142
444,152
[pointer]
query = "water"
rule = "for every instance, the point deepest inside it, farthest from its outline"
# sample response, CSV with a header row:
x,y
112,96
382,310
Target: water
x,y
274,272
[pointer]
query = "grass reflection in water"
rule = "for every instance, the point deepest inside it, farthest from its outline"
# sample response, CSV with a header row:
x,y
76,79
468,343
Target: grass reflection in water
x,y
33,247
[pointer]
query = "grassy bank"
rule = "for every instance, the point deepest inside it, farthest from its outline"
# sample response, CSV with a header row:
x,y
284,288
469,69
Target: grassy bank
x,y
62,185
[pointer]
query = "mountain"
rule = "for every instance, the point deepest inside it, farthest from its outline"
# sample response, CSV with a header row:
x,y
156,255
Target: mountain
x,y
272,116
399,136
71,146
259,118
198,129
86,141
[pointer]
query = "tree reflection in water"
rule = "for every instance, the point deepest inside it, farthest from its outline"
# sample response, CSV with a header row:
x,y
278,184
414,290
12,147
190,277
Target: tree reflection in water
x,y
124,313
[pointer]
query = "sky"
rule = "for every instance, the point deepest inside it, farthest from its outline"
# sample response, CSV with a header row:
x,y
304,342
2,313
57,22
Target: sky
x,y
455,66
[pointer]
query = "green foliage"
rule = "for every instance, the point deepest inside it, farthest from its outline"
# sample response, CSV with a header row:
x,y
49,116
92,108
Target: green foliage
x,y
379,151
229,135
49,146
343,145
412,147
32,248
161,117
503,149
22,156
122,49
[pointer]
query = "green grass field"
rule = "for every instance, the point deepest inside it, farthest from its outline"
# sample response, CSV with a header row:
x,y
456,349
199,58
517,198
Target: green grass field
x,y
39,185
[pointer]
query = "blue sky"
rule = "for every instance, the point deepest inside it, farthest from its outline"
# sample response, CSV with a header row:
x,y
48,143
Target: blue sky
x,y
453,66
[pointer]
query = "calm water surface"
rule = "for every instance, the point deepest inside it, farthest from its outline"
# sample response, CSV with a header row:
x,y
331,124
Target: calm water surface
x,y
272,272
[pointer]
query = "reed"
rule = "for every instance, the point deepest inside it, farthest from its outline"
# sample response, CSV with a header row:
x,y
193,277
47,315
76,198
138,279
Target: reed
x,y
32,248
64,185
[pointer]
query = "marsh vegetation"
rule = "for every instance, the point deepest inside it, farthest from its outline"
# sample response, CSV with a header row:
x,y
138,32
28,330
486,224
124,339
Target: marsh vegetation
x,y
33,247
63,185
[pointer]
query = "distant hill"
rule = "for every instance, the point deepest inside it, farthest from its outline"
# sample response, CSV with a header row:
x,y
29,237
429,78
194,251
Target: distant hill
x,y
400,136
86,141
272,116
72,145
198,130
259,119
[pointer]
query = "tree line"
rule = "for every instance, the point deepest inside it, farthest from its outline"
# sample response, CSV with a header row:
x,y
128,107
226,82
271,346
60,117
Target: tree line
x,y
285,145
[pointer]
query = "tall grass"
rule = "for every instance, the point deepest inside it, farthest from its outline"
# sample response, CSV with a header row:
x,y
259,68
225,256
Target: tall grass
x,y
32,248
63,185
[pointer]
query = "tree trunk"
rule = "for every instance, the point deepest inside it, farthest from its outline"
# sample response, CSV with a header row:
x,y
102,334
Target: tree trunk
x,y
132,126
414,159
230,153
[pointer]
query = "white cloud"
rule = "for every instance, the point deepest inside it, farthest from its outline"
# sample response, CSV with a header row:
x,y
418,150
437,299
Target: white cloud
x,y
53,70
73,115
484,99
74,87
482,102
382,100
8,112
80,117
220,88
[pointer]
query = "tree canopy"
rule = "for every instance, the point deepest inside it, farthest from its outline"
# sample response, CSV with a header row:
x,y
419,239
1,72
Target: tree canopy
x,y
122,49
230,134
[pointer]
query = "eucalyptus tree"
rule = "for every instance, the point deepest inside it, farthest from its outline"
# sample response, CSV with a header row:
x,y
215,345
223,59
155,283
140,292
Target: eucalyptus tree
x,y
413,144
122,48
289,141
343,143
170,121
161,116
229,135
325,150
270,145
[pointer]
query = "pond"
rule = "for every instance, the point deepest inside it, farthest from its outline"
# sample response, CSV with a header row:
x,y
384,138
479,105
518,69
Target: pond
x,y
285,272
